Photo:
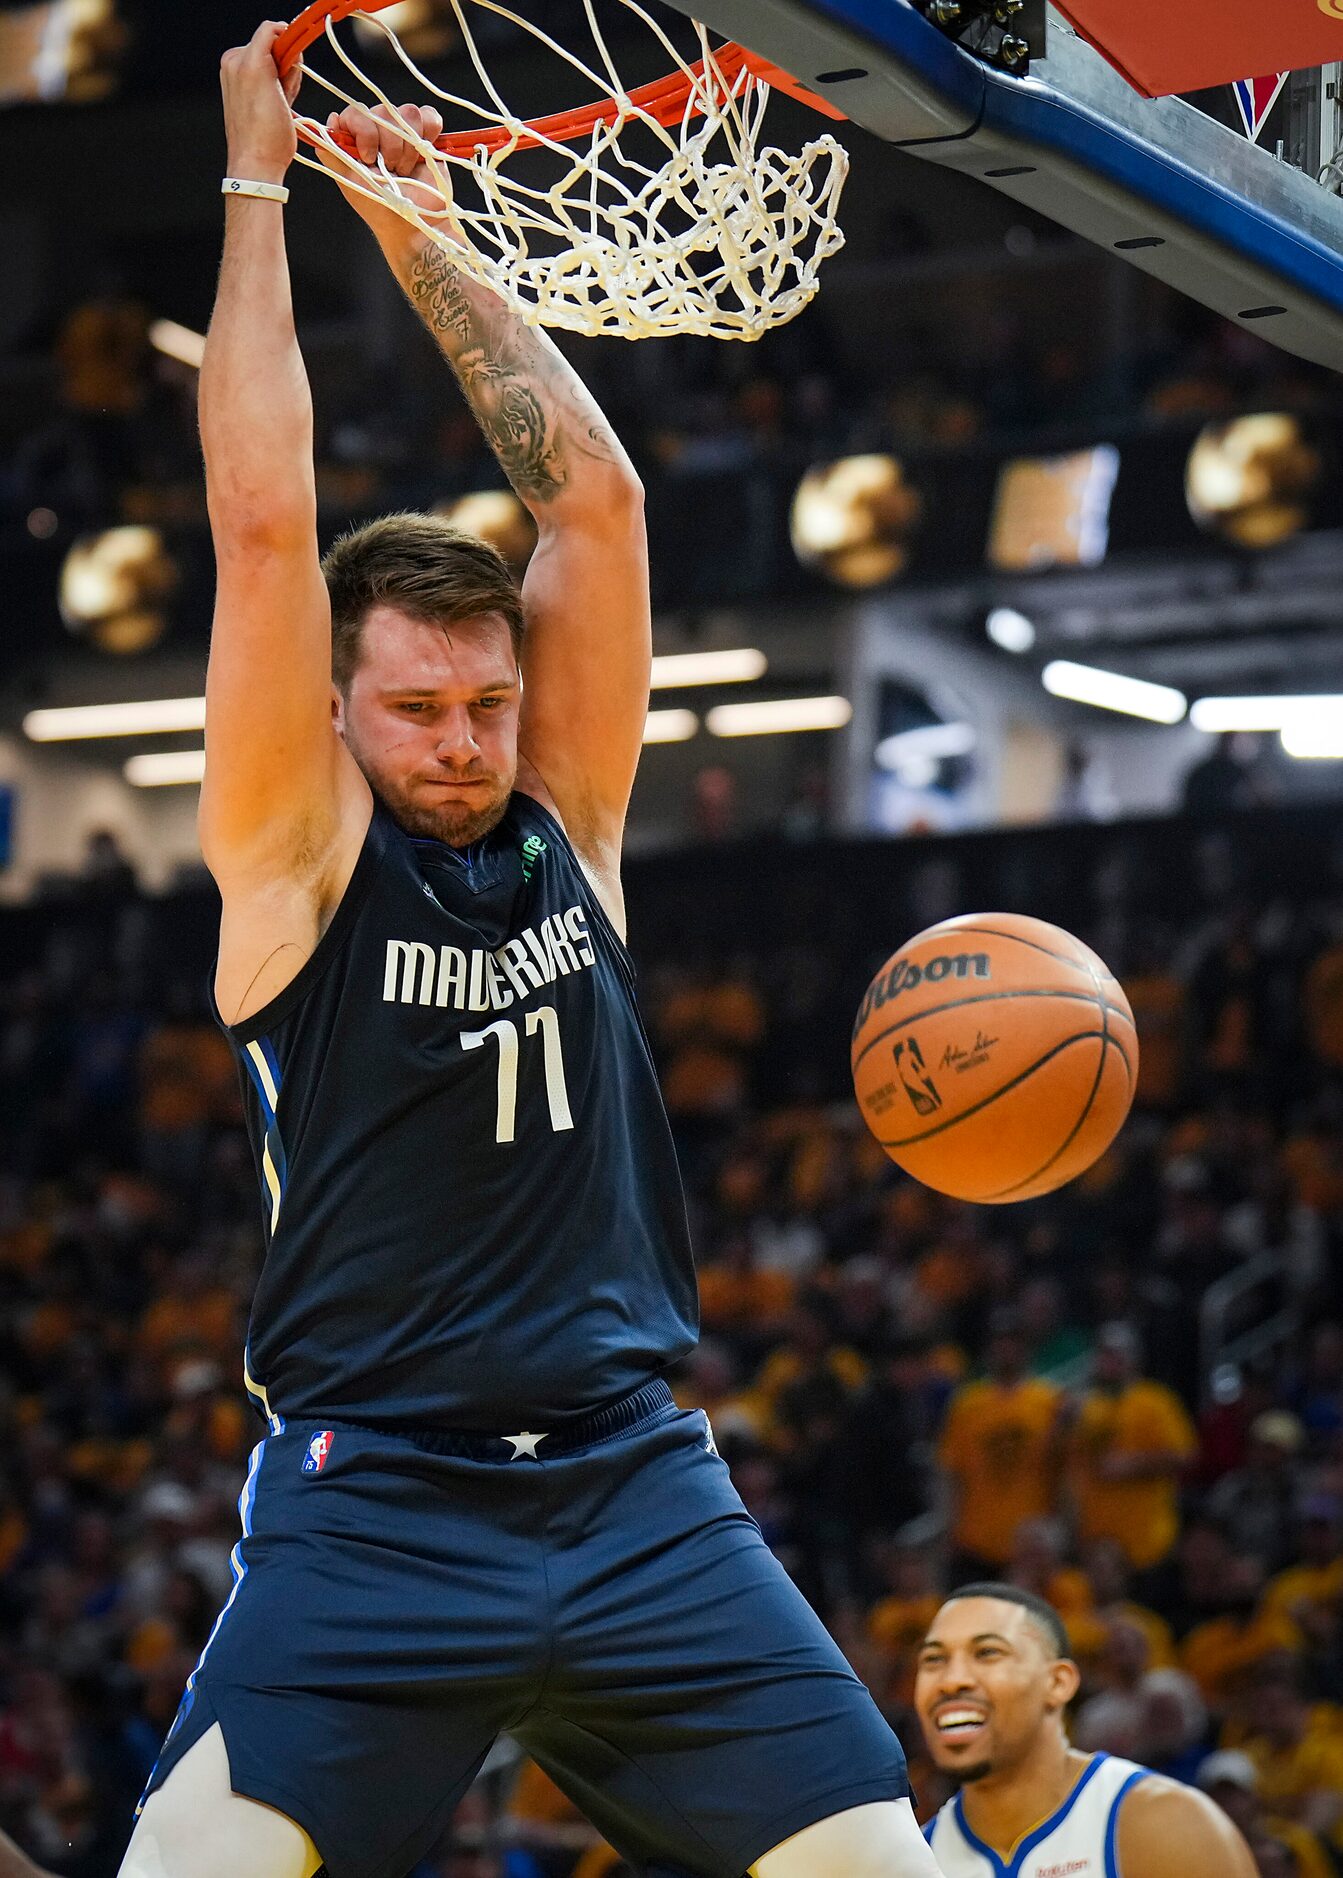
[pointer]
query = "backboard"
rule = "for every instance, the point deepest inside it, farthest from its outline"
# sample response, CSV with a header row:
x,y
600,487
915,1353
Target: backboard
x,y
1031,107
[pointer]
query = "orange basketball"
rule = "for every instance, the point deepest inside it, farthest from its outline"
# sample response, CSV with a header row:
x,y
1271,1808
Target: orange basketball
x,y
994,1057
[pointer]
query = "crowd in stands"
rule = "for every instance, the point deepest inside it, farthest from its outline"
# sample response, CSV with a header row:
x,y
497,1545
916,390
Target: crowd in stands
x,y
910,1392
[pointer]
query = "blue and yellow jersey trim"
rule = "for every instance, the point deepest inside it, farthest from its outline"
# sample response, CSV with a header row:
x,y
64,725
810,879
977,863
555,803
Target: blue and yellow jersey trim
x,y
264,1069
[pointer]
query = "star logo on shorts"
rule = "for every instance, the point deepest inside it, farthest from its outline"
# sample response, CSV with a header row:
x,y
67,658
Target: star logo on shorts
x,y
524,1444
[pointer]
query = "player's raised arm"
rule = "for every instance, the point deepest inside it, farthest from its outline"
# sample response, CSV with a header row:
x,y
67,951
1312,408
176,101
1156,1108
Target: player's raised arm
x,y
273,761
588,644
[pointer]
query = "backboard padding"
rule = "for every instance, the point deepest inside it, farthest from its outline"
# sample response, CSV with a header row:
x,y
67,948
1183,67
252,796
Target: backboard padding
x,y
1188,46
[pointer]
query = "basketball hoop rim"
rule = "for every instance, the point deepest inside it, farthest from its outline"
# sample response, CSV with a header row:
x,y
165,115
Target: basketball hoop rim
x,y
662,99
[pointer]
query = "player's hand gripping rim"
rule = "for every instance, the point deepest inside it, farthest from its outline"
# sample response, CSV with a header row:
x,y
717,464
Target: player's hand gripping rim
x,y
377,141
258,120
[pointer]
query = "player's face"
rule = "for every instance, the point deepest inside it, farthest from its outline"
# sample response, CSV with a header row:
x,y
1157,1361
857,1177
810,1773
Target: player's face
x,y
987,1684
431,718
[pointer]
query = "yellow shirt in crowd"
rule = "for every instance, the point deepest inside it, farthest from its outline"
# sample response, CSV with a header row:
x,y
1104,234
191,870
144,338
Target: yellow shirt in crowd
x,y
998,1443
1310,1860
1142,1516
1089,1633
1287,1776
1215,1653
897,1626
1305,1584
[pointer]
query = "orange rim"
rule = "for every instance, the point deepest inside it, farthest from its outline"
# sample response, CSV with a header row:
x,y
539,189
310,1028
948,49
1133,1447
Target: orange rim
x,y
664,99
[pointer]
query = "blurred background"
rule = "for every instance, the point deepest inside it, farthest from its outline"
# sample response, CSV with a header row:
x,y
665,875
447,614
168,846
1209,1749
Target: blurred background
x,y
1015,561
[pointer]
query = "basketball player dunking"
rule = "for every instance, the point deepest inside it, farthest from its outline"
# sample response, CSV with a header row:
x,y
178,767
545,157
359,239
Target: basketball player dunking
x,y
994,1680
476,1509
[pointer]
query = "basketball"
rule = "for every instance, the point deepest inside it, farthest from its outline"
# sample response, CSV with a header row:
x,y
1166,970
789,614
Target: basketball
x,y
994,1057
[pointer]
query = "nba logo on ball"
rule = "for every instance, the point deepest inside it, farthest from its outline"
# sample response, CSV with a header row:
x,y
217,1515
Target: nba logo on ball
x,y
318,1449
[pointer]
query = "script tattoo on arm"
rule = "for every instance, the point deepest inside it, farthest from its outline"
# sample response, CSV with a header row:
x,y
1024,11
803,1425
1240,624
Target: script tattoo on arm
x,y
436,293
533,409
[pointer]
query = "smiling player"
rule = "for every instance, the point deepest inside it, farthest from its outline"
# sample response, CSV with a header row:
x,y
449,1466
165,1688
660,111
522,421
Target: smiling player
x,y
994,1682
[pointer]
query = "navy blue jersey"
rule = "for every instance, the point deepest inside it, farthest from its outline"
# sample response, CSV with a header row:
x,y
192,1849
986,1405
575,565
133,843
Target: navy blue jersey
x,y
474,1217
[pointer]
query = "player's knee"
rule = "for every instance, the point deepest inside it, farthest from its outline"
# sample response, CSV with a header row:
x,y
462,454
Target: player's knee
x,y
195,1826
159,1849
167,1843
880,1840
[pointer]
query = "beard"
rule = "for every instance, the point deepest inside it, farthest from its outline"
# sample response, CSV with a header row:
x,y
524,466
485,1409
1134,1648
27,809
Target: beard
x,y
966,1776
457,824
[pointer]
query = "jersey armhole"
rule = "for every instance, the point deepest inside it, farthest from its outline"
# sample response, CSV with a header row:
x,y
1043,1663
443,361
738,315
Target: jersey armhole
x,y
326,950
1112,1868
593,902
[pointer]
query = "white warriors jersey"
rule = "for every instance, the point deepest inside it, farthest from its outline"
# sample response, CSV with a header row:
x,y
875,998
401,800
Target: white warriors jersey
x,y
1078,1841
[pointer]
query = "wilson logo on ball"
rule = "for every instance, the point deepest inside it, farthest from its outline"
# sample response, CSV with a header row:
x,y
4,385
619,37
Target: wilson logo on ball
x,y
904,975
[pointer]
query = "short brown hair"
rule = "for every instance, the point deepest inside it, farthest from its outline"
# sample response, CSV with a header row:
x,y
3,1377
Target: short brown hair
x,y
422,566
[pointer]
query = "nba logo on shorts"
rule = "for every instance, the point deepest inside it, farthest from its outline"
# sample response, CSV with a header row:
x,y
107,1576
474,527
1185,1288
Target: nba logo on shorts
x,y
318,1449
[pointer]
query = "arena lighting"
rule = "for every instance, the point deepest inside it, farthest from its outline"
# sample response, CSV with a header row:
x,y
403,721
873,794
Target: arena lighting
x,y
1009,629
708,668
1315,739
1218,714
114,720
778,714
160,768
114,586
59,50
930,743
670,726
1254,480
424,27
917,772
854,521
177,342
1112,691
496,516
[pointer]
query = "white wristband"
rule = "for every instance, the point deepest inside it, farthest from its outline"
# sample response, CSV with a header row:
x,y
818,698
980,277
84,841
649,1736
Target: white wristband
x,y
268,192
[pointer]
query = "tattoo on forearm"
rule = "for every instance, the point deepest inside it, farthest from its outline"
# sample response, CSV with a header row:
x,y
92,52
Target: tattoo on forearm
x,y
515,388
511,415
436,289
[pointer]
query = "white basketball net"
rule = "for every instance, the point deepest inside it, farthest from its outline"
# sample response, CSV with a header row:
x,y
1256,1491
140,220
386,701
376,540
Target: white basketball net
x,y
716,235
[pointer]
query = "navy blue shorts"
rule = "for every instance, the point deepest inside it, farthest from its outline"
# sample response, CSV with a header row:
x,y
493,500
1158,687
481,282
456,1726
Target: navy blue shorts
x,y
611,1606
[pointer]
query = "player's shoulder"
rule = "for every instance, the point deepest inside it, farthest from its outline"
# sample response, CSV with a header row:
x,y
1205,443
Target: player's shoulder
x,y
1156,1803
1167,1829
